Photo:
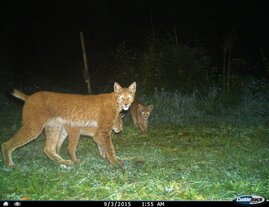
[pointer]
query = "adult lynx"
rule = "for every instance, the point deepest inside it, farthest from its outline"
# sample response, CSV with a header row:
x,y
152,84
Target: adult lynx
x,y
74,132
54,111
140,114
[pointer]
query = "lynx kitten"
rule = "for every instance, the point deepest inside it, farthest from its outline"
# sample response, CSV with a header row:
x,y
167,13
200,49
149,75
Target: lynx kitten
x,y
140,115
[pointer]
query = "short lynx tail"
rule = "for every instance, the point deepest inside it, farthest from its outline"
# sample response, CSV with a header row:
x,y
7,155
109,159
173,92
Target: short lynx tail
x,y
19,94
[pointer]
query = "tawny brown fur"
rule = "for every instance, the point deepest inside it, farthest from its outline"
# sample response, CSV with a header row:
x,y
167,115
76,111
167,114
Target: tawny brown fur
x,y
75,132
140,114
54,111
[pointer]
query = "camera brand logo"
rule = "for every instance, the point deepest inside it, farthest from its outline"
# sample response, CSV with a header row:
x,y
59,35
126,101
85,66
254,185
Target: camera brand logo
x,y
5,204
249,200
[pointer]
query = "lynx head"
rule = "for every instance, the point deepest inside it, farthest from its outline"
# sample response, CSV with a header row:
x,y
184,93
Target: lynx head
x,y
118,124
145,111
124,96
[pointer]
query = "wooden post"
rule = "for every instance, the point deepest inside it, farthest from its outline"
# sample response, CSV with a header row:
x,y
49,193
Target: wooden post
x,y
152,27
86,69
175,34
229,68
224,66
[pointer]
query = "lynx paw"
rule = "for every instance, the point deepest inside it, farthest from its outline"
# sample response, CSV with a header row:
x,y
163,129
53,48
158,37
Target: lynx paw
x,y
76,161
11,165
66,162
120,161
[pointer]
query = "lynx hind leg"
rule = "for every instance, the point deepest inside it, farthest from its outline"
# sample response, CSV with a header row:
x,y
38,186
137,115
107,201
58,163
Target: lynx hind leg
x,y
103,139
24,135
74,134
52,137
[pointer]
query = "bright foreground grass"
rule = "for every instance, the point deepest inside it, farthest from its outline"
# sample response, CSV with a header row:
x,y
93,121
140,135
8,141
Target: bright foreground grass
x,y
171,162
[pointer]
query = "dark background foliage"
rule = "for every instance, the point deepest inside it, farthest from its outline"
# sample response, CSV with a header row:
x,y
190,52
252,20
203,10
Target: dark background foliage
x,y
176,45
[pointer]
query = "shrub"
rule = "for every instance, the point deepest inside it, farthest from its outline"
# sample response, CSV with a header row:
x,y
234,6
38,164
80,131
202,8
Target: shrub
x,y
161,64
165,64
212,108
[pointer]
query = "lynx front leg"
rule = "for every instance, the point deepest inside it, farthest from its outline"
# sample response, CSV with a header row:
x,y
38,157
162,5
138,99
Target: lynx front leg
x,y
143,125
52,137
103,139
102,152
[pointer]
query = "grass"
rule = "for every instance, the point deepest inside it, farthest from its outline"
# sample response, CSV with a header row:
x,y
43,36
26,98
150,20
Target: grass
x,y
190,153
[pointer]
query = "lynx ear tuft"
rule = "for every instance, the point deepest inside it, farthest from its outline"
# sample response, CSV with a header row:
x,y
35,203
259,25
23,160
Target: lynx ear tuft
x,y
132,87
117,87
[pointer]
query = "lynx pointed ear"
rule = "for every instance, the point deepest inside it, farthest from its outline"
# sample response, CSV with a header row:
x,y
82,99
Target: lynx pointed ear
x,y
132,87
117,87
150,107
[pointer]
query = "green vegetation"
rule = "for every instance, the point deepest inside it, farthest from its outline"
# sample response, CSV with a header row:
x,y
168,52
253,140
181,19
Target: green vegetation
x,y
199,147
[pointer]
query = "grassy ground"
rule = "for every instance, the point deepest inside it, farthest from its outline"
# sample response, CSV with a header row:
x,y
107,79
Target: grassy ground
x,y
196,155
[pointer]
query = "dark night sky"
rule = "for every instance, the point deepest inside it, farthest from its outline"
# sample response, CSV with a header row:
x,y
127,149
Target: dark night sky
x,y
48,30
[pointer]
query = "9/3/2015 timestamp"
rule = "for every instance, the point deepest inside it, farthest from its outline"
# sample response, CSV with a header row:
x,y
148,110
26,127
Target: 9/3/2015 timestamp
x,y
117,204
